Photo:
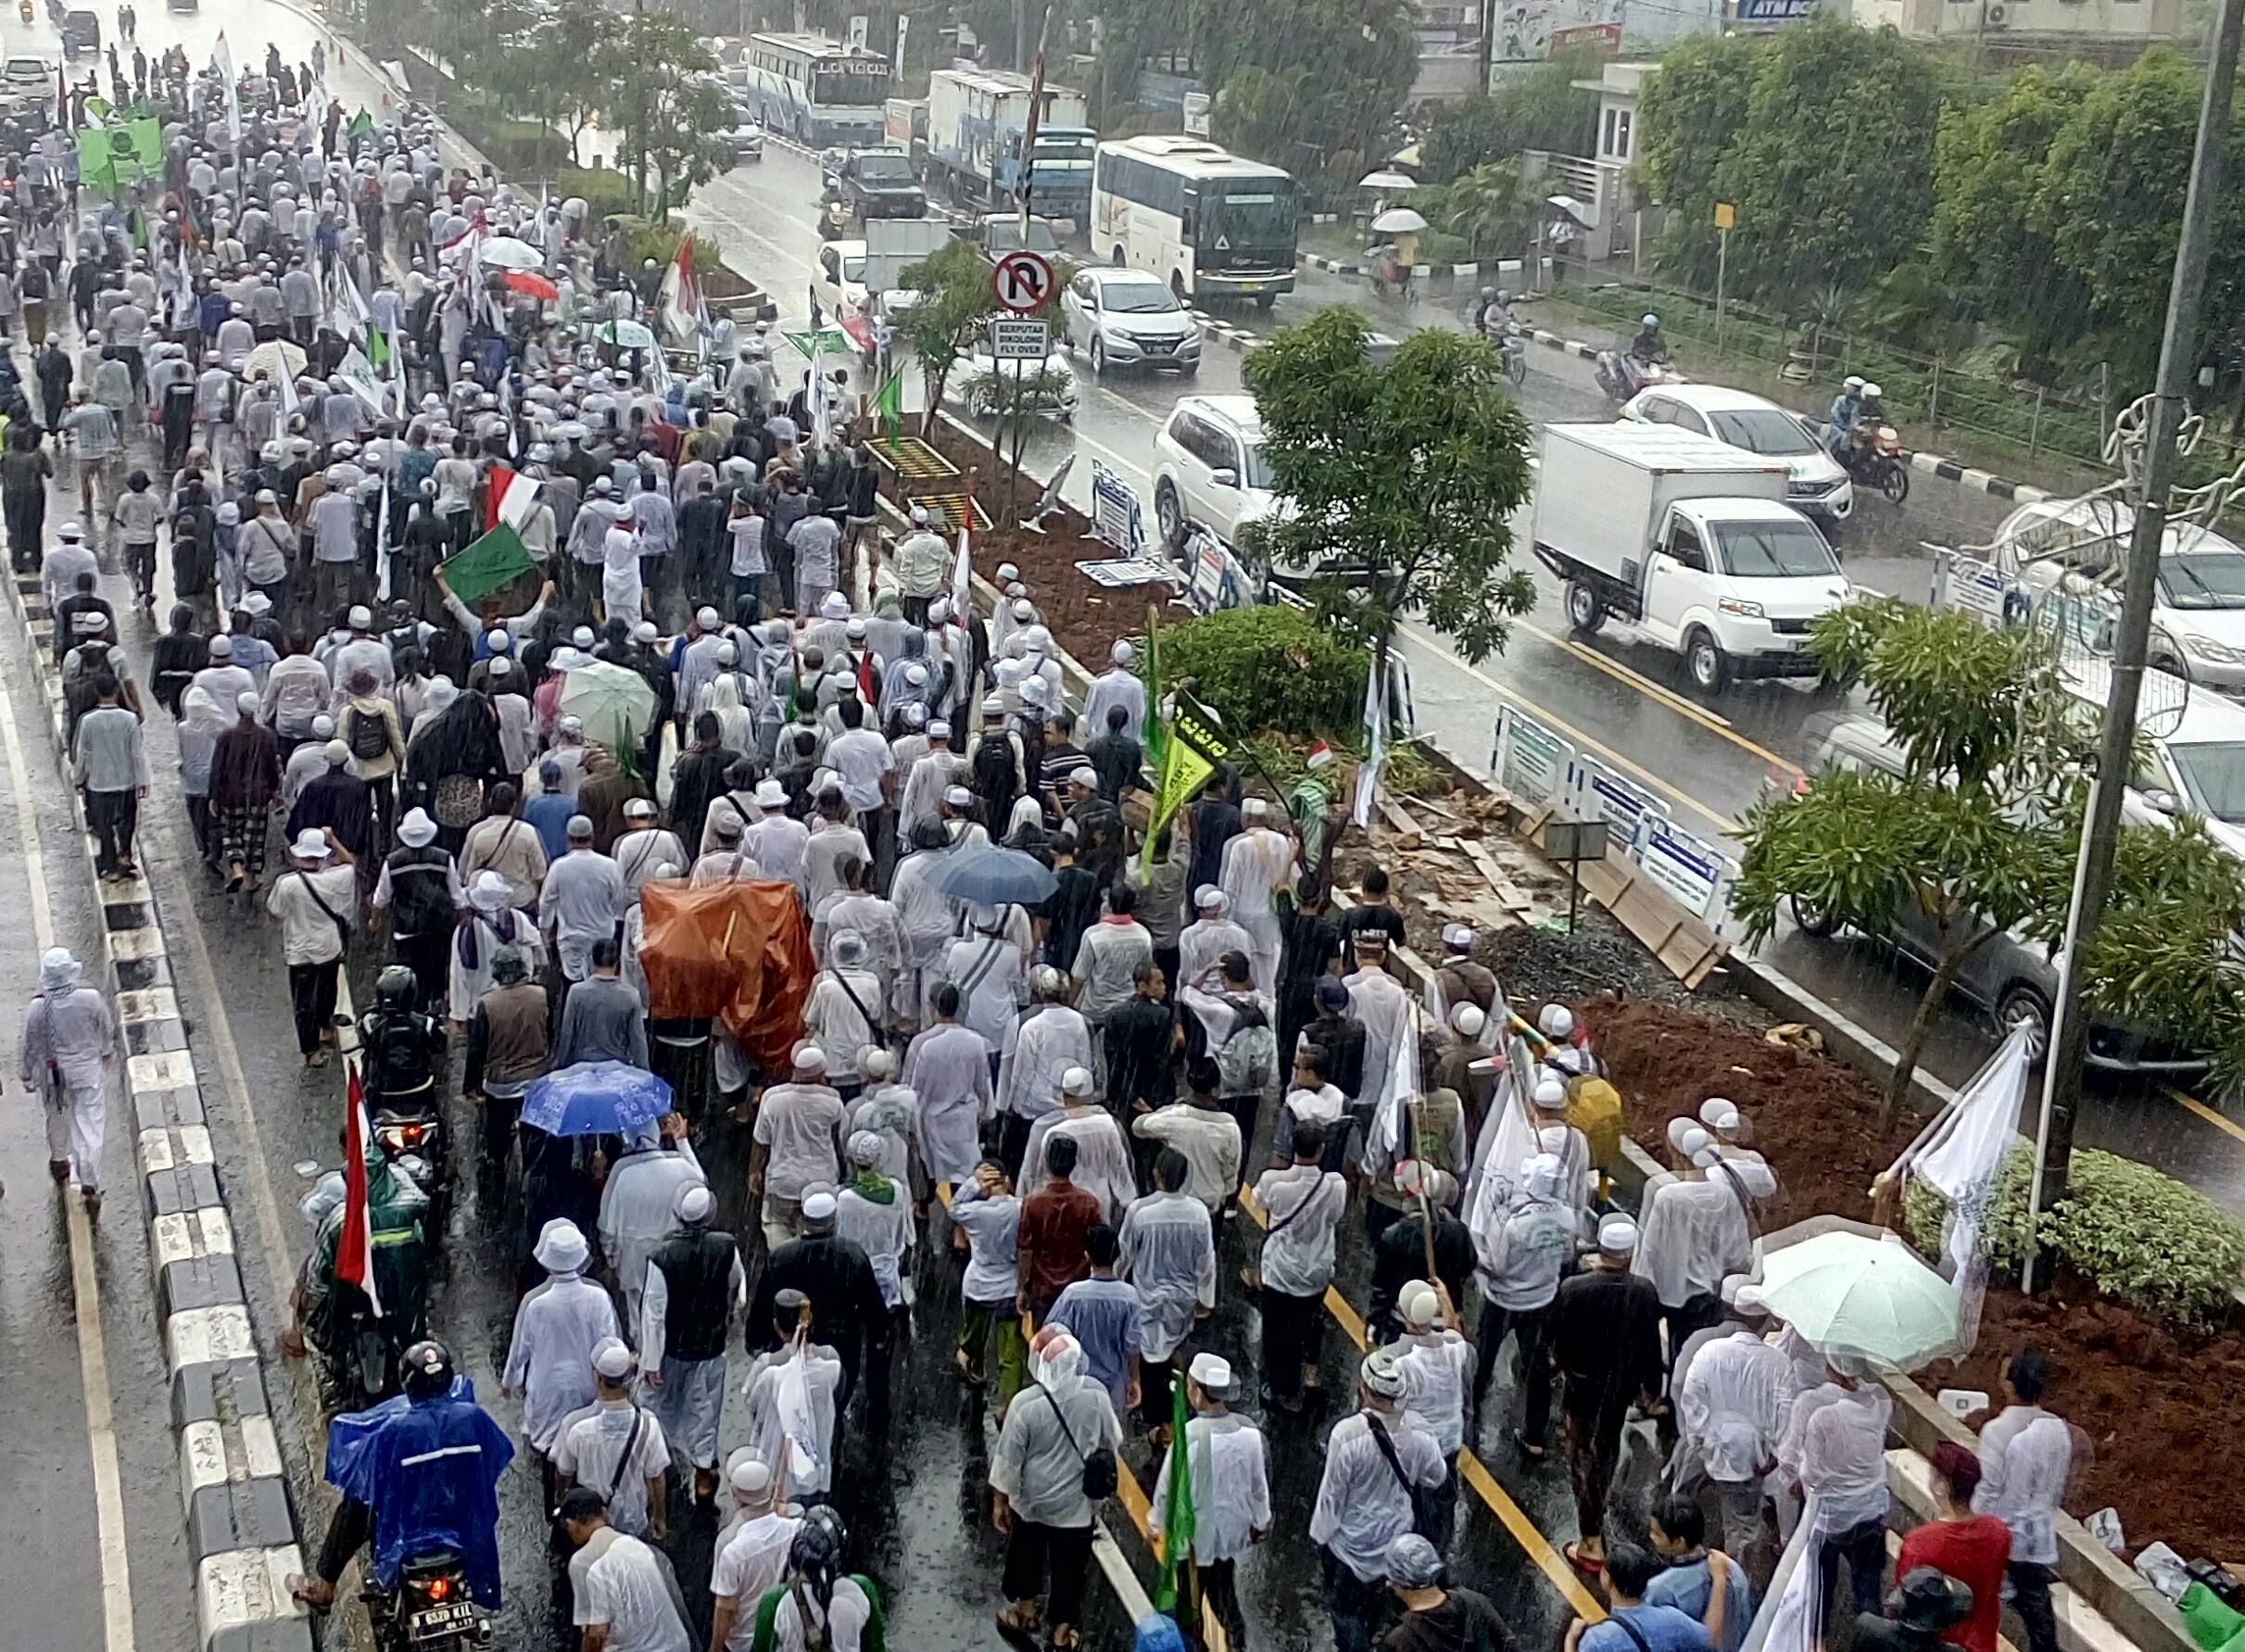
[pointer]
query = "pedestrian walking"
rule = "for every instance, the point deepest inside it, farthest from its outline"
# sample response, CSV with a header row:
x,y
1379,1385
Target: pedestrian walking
x,y
109,768
69,1050
693,1283
315,900
1047,1484
1606,1346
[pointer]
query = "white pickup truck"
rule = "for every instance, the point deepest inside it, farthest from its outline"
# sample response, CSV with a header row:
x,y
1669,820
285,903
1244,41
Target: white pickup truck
x,y
1687,541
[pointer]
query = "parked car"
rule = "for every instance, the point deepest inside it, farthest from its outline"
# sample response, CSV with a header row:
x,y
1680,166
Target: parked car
x,y
2008,977
1819,487
25,82
981,386
1126,318
1211,469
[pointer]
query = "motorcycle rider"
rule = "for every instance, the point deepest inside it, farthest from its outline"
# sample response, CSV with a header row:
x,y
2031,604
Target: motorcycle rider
x,y
417,1474
1649,349
1855,452
1839,422
329,1314
404,1049
1493,312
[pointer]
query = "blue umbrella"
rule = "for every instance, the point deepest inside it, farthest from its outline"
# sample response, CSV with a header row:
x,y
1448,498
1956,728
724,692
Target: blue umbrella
x,y
595,1098
994,877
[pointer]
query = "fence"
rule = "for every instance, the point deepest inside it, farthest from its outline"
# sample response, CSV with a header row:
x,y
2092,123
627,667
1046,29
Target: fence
x,y
1927,393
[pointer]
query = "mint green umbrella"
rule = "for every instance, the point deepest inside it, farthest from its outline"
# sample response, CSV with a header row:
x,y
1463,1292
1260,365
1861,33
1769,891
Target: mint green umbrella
x,y
1874,1298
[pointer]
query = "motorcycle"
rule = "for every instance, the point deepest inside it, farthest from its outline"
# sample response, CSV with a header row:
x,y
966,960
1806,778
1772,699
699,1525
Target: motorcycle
x,y
833,221
431,1610
1511,338
354,1353
1622,375
417,1127
1874,458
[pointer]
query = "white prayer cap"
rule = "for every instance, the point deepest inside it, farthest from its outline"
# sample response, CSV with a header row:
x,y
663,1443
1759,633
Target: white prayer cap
x,y
322,727
856,628
958,797
1720,1115
1006,570
1123,653
579,829
582,637
866,1148
1707,1158
1414,1177
850,947
1076,1081
1458,938
694,1203
1254,809
561,1247
1468,1020
818,1206
941,730
808,1058
612,1359
1542,1173
1679,1127
247,703
500,666
1617,1235
914,714
751,1477
644,631
496,640
1416,1303
639,808
1551,1095
1382,1373
1556,1022
1747,1299
707,618
919,516
360,617
1022,610
310,845
1732,1284
1208,898
1084,775
416,829
836,607
1695,1142
1212,1371
916,674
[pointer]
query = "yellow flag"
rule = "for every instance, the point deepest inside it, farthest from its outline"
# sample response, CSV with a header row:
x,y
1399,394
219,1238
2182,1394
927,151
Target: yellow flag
x,y
1194,749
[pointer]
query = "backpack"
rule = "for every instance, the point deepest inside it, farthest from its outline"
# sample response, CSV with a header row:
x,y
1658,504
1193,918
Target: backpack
x,y
1249,1052
997,772
1594,1107
370,735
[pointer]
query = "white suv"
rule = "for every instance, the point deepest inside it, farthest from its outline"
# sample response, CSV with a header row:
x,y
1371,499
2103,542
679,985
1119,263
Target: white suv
x,y
1212,470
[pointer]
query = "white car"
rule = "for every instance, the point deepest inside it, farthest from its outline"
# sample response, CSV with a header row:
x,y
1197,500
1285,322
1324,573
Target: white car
x,y
747,139
1820,488
985,387
1211,469
839,283
1126,318
2198,603
25,81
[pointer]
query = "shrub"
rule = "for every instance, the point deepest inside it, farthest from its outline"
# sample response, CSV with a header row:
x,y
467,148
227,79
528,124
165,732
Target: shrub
x,y
605,190
2138,1236
1270,669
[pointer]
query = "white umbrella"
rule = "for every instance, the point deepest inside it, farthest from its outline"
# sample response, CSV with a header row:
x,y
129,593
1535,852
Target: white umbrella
x,y
505,252
626,336
1398,220
1585,216
276,358
1852,1293
1390,180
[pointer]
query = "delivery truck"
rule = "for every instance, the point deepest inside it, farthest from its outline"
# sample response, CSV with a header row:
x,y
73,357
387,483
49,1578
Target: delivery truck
x,y
1686,542
977,120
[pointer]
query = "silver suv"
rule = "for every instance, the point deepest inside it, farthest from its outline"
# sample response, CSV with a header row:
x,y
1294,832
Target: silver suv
x,y
1126,318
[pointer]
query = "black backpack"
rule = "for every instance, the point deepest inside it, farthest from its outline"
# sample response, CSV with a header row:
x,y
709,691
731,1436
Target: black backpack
x,y
370,735
997,775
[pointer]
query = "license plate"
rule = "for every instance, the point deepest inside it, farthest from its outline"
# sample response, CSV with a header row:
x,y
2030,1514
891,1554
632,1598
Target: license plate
x,y
1251,286
431,1622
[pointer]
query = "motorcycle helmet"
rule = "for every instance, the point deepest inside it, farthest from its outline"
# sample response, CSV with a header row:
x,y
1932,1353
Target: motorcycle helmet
x,y
1503,297
1648,320
1853,382
1489,292
426,1369
395,988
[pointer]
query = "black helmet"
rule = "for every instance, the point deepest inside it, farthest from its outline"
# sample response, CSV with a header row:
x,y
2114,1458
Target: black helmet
x,y
395,988
426,1369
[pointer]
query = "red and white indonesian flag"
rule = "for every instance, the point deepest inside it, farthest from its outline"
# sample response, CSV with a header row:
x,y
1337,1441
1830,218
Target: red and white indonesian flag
x,y
355,1252
684,309
514,497
963,579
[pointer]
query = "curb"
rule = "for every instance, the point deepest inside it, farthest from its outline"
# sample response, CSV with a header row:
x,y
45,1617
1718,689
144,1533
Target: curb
x,y
1419,271
234,1490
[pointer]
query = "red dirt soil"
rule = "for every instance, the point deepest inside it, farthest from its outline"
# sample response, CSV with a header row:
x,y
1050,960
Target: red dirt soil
x,y
2153,1404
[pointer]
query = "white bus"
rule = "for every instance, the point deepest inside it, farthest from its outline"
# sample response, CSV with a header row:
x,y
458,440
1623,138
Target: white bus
x,y
816,90
1213,225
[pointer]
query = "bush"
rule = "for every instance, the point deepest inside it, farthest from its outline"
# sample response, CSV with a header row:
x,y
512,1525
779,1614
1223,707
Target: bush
x,y
2138,1236
605,190
658,239
1271,670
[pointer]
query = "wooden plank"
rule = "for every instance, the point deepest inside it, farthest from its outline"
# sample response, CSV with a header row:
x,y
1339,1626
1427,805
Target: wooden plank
x,y
1400,818
1506,891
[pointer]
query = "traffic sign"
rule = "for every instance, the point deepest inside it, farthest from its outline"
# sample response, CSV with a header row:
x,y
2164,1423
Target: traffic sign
x,y
1022,280
1020,338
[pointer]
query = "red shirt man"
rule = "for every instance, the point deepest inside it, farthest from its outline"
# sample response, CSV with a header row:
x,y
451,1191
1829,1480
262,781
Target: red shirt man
x,y
1971,1548
1054,1223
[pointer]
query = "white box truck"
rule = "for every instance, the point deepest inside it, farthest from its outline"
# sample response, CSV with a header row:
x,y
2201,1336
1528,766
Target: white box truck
x,y
1688,542
977,119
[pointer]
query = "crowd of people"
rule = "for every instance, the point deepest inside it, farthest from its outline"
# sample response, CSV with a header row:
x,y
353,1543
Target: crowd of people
x,y
1059,1112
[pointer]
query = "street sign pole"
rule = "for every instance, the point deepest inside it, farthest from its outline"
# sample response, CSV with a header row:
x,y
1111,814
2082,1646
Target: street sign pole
x,y
1727,217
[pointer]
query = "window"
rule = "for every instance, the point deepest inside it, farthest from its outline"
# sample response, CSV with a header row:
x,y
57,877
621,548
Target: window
x,y
1685,418
1685,547
1619,121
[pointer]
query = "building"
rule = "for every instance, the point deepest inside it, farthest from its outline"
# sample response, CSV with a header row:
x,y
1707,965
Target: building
x,y
1452,55
2111,31
1614,217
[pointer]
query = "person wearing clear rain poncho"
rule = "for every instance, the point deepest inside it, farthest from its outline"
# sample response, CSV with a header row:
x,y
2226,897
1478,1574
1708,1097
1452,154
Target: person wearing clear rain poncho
x,y
69,1049
1036,1473
556,1326
639,1203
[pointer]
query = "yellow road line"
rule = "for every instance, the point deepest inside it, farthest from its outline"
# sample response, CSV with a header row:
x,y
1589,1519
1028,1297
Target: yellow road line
x,y
2219,1120
1637,680
1533,1544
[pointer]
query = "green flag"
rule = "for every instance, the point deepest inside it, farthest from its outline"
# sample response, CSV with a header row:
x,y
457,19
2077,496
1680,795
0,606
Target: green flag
x,y
137,222
486,565
1179,1519
361,124
377,347
1157,737
889,402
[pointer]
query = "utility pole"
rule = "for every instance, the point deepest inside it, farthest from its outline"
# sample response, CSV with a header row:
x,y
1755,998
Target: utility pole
x,y
2093,876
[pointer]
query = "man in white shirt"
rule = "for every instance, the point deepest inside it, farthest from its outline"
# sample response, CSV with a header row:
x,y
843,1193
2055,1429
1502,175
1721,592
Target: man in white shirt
x,y
1118,686
798,1127
1693,1235
862,762
1363,1500
1108,958
1837,1437
1040,1045
1302,1205
2026,1455
1733,1402
1257,866
622,1595
645,846
752,1555
617,1449
580,900
1231,1488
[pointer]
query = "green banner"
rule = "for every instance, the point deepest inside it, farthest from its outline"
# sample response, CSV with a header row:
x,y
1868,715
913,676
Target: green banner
x,y
490,564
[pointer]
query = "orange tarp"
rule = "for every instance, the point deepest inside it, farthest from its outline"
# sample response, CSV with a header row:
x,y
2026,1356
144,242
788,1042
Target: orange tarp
x,y
736,951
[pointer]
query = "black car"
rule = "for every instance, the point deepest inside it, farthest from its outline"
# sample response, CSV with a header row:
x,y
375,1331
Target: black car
x,y
80,32
879,183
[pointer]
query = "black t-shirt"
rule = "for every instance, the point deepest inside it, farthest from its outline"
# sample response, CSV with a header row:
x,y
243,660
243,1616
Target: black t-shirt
x,y
1465,1622
1385,920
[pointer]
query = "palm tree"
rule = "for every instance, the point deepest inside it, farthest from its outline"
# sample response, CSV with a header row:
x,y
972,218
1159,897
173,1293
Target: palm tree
x,y
1486,207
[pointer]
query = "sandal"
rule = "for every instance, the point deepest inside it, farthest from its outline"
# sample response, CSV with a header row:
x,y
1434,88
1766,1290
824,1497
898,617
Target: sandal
x,y
1067,1637
1018,1619
1534,1453
1580,1561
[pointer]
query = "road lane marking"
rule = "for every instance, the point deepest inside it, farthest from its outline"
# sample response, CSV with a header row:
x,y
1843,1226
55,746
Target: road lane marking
x,y
86,1284
2220,1121
1635,679
1475,1473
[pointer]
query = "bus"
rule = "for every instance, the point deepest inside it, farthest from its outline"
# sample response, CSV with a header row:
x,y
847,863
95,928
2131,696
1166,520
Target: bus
x,y
816,90
1213,225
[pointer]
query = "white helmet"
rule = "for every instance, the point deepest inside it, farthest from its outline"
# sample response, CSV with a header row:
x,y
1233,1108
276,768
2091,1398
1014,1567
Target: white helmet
x,y
1854,381
1871,392
1648,320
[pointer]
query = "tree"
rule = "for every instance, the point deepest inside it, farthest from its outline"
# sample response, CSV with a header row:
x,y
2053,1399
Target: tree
x,y
953,314
1530,109
1688,117
1978,830
1489,209
1401,477
672,108
582,33
1351,63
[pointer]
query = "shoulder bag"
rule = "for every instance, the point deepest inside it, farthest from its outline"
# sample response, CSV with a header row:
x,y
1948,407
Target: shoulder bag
x,y
1101,1473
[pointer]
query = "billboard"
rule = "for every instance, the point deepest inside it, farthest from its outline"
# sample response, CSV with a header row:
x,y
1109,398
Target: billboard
x,y
1530,31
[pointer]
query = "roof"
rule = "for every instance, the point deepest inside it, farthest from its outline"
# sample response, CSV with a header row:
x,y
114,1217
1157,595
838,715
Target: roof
x,y
1715,398
820,46
1737,509
1665,447
2207,718
1177,150
1240,411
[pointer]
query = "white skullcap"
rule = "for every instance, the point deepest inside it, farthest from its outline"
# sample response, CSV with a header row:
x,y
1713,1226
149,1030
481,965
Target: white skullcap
x,y
1728,1290
322,727
496,640
1695,1142
1254,809
1551,1095
1468,1021
707,618
1617,1235
1122,653
500,665
612,1359
958,797
1023,610
360,617
1679,1127
1720,1115
941,730
336,753
1208,898
1556,1022
1084,775
810,1058
836,606
1707,1157
1416,1303
751,1477
1076,1081
1382,1373
1212,1371
727,654
1457,937
1748,1300
866,1147
694,1203
818,1207
1007,571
